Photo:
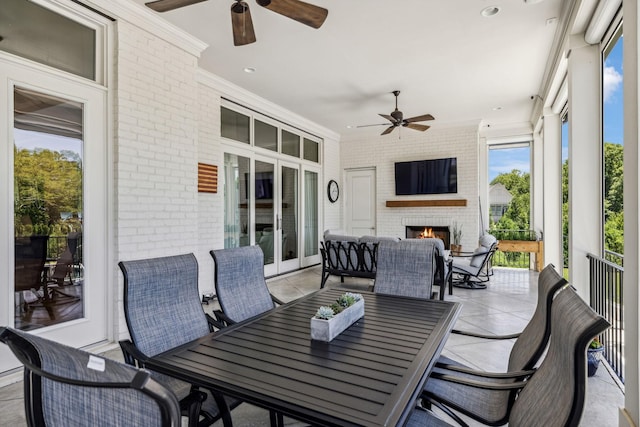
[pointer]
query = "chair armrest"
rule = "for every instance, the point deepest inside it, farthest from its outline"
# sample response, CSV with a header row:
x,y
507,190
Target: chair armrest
x,y
222,318
213,323
477,384
132,356
485,336
515,375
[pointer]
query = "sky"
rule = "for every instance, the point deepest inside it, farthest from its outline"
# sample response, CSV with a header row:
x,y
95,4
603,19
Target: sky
x,y
504,161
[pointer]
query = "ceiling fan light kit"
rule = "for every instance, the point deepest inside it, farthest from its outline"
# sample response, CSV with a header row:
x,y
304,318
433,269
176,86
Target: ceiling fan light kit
x,y
397,119
243,33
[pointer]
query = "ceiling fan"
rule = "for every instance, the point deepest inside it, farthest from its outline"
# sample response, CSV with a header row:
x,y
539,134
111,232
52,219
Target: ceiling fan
x,y
396,119
305,13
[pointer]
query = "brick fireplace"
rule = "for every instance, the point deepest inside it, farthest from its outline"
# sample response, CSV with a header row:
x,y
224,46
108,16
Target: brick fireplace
x,y
418,231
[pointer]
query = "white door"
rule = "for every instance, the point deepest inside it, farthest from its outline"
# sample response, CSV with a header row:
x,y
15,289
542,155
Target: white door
x,y
361,202
53,205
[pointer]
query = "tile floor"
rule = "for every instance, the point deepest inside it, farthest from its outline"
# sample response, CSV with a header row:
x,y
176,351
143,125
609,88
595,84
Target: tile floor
x,y
504,307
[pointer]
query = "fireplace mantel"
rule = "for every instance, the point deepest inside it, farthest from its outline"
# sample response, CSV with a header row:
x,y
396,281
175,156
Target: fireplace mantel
x,y
426,203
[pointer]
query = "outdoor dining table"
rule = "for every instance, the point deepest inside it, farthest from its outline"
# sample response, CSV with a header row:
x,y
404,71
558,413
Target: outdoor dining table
x,y
369,375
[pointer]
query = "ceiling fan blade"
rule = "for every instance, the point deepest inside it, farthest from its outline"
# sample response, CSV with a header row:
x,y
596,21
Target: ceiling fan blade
x,y
388,130
377,124
308,14
416,126
242,24
166,5
419,118
388,117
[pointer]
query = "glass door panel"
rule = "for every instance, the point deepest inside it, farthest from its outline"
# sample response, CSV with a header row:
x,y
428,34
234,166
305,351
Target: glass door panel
x,y
264,228
48,209
288,215
236,201
310,213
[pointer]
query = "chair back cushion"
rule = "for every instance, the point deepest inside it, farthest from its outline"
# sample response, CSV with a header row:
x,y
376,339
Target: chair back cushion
x,y
162,302
533,340
239,280
555,394
405,268
56,403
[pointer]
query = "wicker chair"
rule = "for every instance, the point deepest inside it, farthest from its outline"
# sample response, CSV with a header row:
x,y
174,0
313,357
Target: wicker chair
x,y
70,387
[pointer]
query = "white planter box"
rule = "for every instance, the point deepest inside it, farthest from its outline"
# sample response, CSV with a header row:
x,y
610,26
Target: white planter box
x,y
326,330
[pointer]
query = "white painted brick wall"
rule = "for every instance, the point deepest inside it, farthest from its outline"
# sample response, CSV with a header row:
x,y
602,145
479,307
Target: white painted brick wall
x,y
382,152
210,206
332,170
156,150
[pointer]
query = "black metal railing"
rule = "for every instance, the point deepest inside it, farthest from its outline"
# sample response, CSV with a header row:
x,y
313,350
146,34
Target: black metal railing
x,y
606,286
511,259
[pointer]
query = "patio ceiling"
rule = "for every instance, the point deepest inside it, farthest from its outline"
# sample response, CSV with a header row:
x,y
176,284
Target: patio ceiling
x,y
446,58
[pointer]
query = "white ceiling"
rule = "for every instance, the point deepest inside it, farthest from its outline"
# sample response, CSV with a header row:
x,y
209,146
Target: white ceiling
x,y
444,56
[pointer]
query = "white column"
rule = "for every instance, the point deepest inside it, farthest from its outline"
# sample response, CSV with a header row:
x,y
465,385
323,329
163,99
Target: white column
x,y
585,161
552,181
630,414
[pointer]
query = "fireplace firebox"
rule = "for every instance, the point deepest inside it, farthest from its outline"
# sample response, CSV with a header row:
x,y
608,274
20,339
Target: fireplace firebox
x,y
422,231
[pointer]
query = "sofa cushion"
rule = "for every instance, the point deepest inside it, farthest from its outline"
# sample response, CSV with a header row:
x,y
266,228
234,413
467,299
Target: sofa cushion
x,y
340,238
378,239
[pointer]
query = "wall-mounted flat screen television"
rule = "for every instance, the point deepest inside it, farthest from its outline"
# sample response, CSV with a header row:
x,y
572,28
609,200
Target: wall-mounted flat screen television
x,y
264,185
438,176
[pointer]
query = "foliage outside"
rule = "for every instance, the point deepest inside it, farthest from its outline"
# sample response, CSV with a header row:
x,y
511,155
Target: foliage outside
x,y
517,215
48,192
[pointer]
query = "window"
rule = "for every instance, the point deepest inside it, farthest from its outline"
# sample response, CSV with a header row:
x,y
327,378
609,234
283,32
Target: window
x,y
290,143
266,135
37,33
310,150
234,125
612,140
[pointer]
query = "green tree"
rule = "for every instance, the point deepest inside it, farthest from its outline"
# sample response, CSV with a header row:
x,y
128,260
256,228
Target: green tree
x,y
517,215
47,183
613,197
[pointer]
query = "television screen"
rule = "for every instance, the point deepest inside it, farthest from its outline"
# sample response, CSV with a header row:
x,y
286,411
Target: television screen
x,y
264,185
437,176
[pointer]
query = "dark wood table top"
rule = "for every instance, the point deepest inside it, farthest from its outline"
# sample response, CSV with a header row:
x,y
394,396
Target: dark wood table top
x,y
369,375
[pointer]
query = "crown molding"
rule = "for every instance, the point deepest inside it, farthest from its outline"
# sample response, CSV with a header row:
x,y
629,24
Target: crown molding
x,y
146,19
249,99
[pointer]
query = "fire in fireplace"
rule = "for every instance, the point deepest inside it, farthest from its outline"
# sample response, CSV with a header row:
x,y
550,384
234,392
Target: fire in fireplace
x,y
424,231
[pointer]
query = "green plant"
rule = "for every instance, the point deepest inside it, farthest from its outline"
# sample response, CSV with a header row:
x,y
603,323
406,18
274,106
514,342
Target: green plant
x,y
325,313
456,233
344,301
595,343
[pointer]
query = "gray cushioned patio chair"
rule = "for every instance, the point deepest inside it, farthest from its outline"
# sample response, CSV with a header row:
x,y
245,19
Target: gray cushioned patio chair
x,y
406,268
471,269
554,395
64,386
163,310
529,346
240,285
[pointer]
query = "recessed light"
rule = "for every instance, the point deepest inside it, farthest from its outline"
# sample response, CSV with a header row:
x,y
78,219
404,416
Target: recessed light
x,y
490,11
350,126
497,108
249,70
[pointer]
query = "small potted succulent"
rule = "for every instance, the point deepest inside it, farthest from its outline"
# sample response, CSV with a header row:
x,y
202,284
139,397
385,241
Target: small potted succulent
x,y
594,351
330,321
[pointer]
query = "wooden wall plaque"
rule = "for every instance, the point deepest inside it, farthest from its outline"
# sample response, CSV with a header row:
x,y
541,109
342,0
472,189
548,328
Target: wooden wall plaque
x,y
207,178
